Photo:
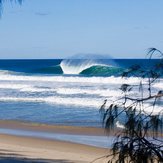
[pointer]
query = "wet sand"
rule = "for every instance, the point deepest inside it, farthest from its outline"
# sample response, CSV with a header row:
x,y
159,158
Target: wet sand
x,y
32,149
52,128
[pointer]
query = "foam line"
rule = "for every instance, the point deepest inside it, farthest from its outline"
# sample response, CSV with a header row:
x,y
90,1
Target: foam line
x,y
104,92
57,100
71,79
98,141
82,102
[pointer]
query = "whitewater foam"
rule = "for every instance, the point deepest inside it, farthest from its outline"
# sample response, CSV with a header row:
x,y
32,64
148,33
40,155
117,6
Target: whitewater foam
x,y
13,86
104,92
74,101
5,72
62,90
159,85
89,102
34,89
71,79
119,125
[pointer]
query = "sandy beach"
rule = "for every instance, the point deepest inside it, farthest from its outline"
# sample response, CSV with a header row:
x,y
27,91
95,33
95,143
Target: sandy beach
x,y
52,128
31,149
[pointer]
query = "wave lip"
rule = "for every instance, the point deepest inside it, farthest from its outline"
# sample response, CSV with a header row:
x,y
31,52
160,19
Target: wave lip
x,y
76,66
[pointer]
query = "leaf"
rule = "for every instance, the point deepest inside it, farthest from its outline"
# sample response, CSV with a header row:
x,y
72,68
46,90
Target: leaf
x,y
132,143
124,87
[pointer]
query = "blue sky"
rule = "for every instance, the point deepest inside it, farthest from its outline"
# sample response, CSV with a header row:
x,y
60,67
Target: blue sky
x,y
61,28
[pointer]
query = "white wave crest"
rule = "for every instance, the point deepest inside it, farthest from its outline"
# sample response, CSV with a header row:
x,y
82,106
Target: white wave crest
x,y
119,125
23,87
13,86
34,89
68,101
64,91
3,72
103,93
71,79
57,100
159,85
73,66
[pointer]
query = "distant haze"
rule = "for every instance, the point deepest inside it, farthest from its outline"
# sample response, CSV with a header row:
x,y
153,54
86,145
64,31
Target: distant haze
x,y
89,56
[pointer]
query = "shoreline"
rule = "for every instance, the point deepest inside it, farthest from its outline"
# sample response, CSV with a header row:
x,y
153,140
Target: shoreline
x,y
82,135
52,128
45,150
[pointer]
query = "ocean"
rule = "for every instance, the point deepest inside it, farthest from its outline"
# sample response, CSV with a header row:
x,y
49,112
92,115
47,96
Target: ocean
x,y
63,91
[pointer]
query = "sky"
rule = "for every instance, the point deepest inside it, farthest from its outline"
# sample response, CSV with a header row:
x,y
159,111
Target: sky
x,y
49,29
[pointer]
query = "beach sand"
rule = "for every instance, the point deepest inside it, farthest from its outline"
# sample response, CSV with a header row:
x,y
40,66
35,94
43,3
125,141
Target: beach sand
x,y
52,128
18,149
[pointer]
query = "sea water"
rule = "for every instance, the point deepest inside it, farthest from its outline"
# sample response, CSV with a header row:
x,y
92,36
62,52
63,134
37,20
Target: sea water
x,y
64,92
97,141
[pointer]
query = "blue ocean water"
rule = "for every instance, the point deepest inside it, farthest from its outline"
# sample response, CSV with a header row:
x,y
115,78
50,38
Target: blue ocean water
x,y
87,67
65,92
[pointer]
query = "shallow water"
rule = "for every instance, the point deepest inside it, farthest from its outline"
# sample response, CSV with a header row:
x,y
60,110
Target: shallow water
x,y
97,141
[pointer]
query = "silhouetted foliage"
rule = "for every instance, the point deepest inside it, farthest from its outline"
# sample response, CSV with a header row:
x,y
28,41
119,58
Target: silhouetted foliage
x,y
3,1
140,138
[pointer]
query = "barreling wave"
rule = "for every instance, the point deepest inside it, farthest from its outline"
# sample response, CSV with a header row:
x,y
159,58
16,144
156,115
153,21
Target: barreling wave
x,y
84,68
88,70
90,67
101,70
76,66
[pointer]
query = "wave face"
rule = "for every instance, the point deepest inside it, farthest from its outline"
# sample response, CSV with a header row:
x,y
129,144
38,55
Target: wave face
x,y
50,70
101,70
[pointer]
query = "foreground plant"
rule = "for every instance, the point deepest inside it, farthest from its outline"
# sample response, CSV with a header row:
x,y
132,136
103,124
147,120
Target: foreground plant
x,y
3,1
140,138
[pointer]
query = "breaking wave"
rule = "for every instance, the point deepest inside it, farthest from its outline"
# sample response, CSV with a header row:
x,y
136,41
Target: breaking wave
x,y
72,101
70,79
88,67
56,100
102,70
